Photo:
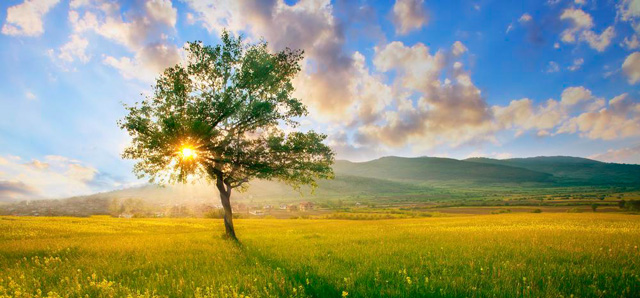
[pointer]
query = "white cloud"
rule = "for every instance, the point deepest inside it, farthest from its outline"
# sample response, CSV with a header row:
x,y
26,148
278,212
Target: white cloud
x,y
371,94
631,43
628,10
89,21
552,67
620,119
53,177
599,42
450,112
74,49
162,11
26,18
624,155
580,30
409,15
522,115
509,28
458,48
574,95
525,18
631,67
577,64
418,68
578,111
580,20
147,63
143,34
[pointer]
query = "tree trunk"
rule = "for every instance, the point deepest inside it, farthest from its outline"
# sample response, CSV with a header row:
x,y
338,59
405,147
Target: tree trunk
x,y
225,195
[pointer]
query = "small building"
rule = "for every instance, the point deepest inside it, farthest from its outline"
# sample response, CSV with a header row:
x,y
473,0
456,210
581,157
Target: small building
x,y
257,212
305,206
283,207
125,215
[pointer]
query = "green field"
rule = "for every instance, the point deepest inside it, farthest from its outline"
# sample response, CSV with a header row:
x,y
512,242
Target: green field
x,y
505,255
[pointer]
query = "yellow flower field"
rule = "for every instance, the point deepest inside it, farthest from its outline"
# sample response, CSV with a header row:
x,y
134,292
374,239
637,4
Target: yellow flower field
x,y
505,255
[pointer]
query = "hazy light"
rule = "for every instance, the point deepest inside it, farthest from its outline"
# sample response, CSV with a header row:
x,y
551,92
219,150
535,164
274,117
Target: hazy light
x,y
188,152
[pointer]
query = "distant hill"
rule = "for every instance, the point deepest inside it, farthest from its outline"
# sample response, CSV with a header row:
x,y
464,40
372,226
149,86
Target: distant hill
x,y
439,169
573,170
392,178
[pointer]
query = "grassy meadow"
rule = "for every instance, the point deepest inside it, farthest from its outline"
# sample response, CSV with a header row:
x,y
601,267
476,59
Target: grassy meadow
x,y
501,255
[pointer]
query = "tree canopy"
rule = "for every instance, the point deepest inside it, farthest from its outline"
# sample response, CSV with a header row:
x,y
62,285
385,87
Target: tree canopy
x,y
223,114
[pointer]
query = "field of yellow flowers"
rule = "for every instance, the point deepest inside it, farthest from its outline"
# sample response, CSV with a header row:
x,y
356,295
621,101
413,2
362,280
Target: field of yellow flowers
x,y
504,255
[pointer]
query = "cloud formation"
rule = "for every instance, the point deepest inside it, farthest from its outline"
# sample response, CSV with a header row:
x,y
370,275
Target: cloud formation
x,y
619,119
26,18
427,111
14,190
581,30
52,177
631,67
144,33
624,155
409,15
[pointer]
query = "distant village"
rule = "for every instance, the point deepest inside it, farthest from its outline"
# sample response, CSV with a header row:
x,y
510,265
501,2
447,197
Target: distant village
x,y
132,207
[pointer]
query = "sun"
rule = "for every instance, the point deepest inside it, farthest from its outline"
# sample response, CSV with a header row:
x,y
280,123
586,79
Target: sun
x,y
188,152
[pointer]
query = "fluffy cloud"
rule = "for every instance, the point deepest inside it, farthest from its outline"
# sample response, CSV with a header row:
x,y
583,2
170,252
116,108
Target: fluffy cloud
x,y
623,155
580,30
620,119
631,67
450,111
148,62
74,49
628,10
522,115
143,34
162,11
26,18
582,98
409,15
372,96
599,42
458,48
53,177
418,69
578,111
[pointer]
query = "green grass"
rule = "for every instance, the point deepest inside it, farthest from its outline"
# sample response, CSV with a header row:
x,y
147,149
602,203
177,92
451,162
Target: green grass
x,y
505,255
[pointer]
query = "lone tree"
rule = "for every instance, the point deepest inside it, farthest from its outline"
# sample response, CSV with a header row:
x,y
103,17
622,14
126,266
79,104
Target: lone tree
x,y
221,115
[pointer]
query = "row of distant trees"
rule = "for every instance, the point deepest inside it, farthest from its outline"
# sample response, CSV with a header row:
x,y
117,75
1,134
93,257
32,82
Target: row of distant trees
x,y
632,205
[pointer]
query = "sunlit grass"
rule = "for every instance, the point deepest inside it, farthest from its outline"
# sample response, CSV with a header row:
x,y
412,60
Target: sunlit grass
x,y
506,255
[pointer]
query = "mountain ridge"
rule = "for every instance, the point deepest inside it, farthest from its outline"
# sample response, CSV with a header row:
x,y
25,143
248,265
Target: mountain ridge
x,y
416,176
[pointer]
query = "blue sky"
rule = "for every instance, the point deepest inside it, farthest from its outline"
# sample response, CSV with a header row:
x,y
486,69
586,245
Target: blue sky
x,y
411,78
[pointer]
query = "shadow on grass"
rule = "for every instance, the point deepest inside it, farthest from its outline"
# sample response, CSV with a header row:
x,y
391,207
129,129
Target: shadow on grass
x,y
320,287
